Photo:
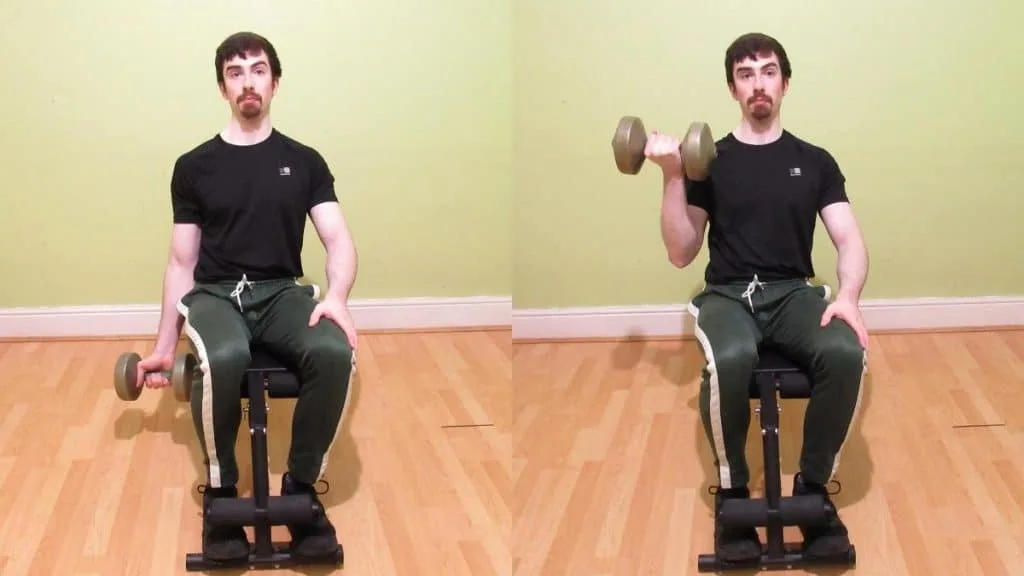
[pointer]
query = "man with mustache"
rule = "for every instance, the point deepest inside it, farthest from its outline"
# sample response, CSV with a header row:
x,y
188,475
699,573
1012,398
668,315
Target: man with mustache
x,y
240,201
759,206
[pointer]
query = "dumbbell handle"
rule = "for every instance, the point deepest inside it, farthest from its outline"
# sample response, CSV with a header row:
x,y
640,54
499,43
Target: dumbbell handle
x,y
165,373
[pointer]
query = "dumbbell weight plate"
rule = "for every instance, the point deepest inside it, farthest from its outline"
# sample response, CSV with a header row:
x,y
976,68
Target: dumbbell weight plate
x,y
698,151
181,376
125,374
628,145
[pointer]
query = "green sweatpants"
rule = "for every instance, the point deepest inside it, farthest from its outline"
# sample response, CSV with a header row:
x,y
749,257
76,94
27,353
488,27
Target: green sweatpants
x,y
222,321
733,321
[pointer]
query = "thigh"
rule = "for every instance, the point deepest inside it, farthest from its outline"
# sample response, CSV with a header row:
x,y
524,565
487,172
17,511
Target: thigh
x,y
214,326
284,328
725,329
794,327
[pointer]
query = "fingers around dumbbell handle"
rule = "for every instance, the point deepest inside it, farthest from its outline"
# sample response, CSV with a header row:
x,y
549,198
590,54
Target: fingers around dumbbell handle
x,y
807,510
290,509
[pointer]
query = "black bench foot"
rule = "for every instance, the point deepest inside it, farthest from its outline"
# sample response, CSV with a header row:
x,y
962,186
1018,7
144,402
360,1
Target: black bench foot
x,y
281,557
792,558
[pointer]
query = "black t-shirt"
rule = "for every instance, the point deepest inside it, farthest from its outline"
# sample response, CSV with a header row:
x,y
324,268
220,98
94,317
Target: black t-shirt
x,y
250,203
762,203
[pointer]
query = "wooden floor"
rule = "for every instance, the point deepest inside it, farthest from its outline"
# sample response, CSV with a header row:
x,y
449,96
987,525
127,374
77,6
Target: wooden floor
x,y
462,454
419,479
617,466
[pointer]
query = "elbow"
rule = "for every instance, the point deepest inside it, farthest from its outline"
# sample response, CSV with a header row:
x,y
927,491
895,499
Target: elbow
x,y
683,255
181,266
681,258
182,260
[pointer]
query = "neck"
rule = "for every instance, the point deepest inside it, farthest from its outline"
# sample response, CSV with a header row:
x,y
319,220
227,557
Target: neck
x,y
245,132
754,131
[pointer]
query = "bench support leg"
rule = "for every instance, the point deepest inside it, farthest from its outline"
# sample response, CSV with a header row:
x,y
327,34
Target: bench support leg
x,y
262,511
773,511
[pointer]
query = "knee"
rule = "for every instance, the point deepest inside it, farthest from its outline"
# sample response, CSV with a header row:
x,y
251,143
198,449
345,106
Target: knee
x,y
229,359
735,361
841,351
329,352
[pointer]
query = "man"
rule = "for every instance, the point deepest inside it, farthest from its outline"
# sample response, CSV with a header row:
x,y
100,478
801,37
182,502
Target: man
x,y
239,201
761,200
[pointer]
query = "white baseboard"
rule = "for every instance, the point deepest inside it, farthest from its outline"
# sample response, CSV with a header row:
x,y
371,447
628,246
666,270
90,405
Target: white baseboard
x,y
370,315
674,320
545,323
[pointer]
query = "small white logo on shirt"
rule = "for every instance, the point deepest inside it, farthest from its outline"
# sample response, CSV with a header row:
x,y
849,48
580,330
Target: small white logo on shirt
x,y
794,171
285,171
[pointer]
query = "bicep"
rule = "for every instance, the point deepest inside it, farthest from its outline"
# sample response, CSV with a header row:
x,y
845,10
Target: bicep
x,y
839,221
330,223
185,245
698,203
699,219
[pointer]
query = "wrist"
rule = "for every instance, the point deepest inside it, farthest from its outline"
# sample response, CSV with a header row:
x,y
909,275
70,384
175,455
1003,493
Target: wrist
x,y
338,295
165,348
847,296
672,173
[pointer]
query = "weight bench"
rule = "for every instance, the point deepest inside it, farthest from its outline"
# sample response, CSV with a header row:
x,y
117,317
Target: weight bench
x,y
775,377
265,377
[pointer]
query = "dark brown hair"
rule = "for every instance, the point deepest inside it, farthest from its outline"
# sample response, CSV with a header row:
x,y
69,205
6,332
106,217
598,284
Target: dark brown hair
x,y
755,45
244,44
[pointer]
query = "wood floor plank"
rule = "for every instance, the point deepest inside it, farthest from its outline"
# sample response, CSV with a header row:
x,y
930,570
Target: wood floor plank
x,y
91,484
616,465
465,454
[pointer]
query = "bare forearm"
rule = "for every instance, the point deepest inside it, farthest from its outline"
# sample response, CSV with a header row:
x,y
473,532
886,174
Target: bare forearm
x,y
852,268
177,282
342,265
677,231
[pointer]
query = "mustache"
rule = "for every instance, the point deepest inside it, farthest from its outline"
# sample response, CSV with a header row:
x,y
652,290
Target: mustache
x,y
757,97
247,95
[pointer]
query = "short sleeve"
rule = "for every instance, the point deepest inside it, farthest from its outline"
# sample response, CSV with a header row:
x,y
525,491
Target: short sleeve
x,y
184,201
699,193
321,182
833,182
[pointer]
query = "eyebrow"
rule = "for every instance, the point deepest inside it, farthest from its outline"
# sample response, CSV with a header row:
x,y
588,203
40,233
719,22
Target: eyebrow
x,y
254,65
750,68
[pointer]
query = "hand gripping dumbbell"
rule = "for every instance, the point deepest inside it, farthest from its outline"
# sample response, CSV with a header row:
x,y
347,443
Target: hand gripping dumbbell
x,y
697,148
181,375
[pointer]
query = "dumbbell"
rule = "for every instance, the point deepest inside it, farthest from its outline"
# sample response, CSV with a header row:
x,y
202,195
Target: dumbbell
x,y
697,148
126,372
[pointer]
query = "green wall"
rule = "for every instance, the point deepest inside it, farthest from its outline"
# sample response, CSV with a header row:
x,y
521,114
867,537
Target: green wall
x,y
471,140
409,102
919,102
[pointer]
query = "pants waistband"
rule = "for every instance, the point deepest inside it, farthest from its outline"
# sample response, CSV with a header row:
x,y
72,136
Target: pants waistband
x,y
244,285
244,279
755,279
755,285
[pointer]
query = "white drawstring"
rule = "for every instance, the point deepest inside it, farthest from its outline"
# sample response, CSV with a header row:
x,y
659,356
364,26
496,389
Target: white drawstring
x,y
754,284
239,288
